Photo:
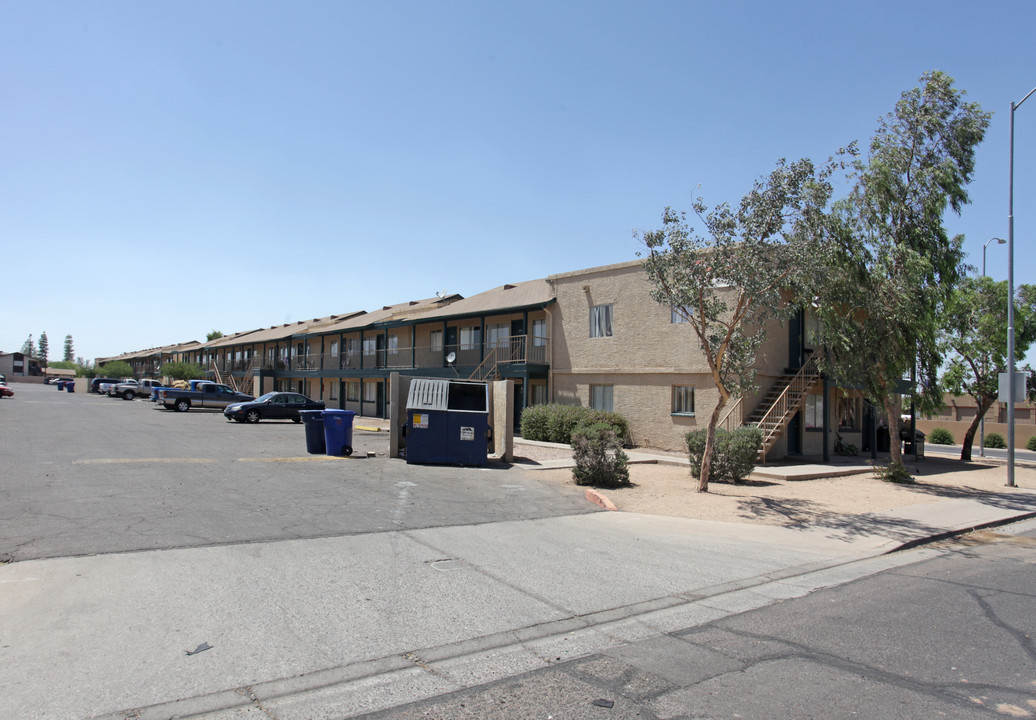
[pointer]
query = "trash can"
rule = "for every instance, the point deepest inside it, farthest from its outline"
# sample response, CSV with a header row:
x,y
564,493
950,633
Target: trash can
x,y
447,422
338,432
908,446
313,421
70,385
61,384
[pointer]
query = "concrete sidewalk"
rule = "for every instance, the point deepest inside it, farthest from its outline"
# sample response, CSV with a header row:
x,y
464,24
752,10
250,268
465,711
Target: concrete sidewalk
x,y
343,626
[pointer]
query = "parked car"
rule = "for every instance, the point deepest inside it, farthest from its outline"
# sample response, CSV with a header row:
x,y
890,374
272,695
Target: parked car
x,y
95,384
4,390
272,406
109,388
208,395
132,388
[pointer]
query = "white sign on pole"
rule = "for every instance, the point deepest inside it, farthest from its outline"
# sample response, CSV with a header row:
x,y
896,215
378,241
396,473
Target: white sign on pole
x,y
1019,387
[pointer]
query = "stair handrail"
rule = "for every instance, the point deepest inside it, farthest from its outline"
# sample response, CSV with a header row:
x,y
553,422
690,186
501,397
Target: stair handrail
x,y
803,379
486,368
734,417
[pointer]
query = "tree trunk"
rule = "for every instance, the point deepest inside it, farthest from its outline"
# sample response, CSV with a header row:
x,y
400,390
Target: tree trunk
x,y
710,443
893,408
969,435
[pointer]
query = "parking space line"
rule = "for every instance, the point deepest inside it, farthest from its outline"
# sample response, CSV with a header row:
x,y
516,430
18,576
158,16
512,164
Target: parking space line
x,y
120,461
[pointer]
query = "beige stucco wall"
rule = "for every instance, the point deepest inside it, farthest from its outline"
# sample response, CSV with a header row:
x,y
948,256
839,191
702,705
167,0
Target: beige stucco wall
x,y
644,358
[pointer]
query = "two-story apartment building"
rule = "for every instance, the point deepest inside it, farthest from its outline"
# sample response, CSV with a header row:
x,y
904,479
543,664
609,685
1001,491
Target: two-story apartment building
x,y
591,337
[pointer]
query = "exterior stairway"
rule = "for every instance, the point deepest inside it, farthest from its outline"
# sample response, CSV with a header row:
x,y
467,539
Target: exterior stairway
x,y
777,408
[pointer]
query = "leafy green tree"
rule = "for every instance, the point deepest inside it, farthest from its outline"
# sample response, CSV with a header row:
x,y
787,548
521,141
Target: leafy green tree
x,y
44,347
182,371
115,369
213,335
28,347
891,261
973,336
728,283
70,352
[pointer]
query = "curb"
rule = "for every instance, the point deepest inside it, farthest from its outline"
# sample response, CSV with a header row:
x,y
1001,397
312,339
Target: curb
x,y
599,499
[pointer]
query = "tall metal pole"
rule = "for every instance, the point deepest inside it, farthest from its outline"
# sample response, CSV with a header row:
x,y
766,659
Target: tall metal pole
x,y
1010,303
982,422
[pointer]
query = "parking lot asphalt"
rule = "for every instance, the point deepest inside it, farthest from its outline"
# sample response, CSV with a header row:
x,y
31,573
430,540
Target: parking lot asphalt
x,y
86,474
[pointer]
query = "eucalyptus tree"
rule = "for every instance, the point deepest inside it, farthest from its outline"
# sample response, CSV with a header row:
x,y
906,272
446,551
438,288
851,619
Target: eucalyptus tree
x,y
973,338
892,260
730,280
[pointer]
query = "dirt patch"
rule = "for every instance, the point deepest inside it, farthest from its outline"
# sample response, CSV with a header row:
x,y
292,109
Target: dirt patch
x,y
660,489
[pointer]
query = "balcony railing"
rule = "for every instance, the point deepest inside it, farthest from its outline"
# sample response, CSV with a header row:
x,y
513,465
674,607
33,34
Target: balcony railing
x,y
519,349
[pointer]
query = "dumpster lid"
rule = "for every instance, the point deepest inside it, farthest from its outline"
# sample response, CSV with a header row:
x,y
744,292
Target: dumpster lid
x,y
427,394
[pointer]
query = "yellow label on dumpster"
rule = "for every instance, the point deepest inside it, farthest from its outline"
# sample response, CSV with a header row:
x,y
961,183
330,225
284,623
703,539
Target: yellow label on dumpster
x,y
420,421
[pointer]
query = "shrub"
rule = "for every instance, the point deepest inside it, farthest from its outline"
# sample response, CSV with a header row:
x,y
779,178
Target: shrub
x,y
1031,444
995,441
599,458
556,423
734,454
893,472
940,436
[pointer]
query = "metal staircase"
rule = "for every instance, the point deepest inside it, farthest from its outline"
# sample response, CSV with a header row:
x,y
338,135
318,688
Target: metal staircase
x,y
773,413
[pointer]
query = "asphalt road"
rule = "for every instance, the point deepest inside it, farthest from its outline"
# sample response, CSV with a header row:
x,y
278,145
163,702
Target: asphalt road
x,y
950,636
85,474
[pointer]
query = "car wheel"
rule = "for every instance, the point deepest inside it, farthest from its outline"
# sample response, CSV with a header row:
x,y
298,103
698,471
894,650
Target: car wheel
x,y
252,416
183,405
296,419
128,395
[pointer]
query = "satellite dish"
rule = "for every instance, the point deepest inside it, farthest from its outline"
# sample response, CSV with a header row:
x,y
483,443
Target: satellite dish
x,y
451,357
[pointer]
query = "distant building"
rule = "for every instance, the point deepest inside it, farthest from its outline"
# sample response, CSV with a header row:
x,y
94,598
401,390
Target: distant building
x,y
20,365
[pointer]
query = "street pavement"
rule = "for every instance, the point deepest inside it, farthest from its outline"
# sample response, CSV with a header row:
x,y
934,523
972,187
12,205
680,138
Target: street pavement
x,y
344,625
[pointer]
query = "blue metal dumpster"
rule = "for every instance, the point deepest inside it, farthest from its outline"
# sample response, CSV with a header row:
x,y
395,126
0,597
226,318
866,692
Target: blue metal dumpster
x,y
447,422
313,421
338,431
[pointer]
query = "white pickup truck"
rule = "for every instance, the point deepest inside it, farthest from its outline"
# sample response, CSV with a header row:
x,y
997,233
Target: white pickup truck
x,y
129,389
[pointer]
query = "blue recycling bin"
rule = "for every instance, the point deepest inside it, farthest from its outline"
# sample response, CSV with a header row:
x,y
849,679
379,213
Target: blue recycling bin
x,y
61,384
70,385
313,421
338,431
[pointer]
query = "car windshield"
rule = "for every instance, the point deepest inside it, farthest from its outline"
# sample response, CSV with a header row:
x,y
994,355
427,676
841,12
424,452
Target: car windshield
x,y
266,397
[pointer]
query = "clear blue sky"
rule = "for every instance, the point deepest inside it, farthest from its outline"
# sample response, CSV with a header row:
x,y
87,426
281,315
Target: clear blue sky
x,y
169,168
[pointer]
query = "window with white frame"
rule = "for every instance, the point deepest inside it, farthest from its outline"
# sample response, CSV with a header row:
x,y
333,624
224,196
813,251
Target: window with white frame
x,y
814,412
601,321
370,392
435,340
333,393
538,394
352,390
539,332
370,345
470,338
334,348
497,335
682,314
601,397
683,400
393,344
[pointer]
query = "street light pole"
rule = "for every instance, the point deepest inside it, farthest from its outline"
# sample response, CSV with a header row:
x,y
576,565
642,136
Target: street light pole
x,y
1010,302
982,422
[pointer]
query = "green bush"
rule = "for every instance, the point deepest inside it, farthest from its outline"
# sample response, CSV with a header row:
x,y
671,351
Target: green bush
x,y
556,423
940,436
995,440
599,458
734,454
1031,444
893,472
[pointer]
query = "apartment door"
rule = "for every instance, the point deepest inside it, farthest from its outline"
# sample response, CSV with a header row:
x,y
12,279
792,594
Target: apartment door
x,y
518,340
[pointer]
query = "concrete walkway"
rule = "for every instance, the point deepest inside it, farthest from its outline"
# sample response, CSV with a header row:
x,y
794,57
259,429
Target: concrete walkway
x,y
338,627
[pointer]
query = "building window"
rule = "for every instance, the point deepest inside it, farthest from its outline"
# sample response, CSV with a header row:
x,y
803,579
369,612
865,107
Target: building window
x,y
370,392
370,345
334,390
393,344
538,394
683,400
352,390
435,340
848,413
497,335
601,321
601,397
470,338
814,412
334,348
539,332
813,329
681,314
